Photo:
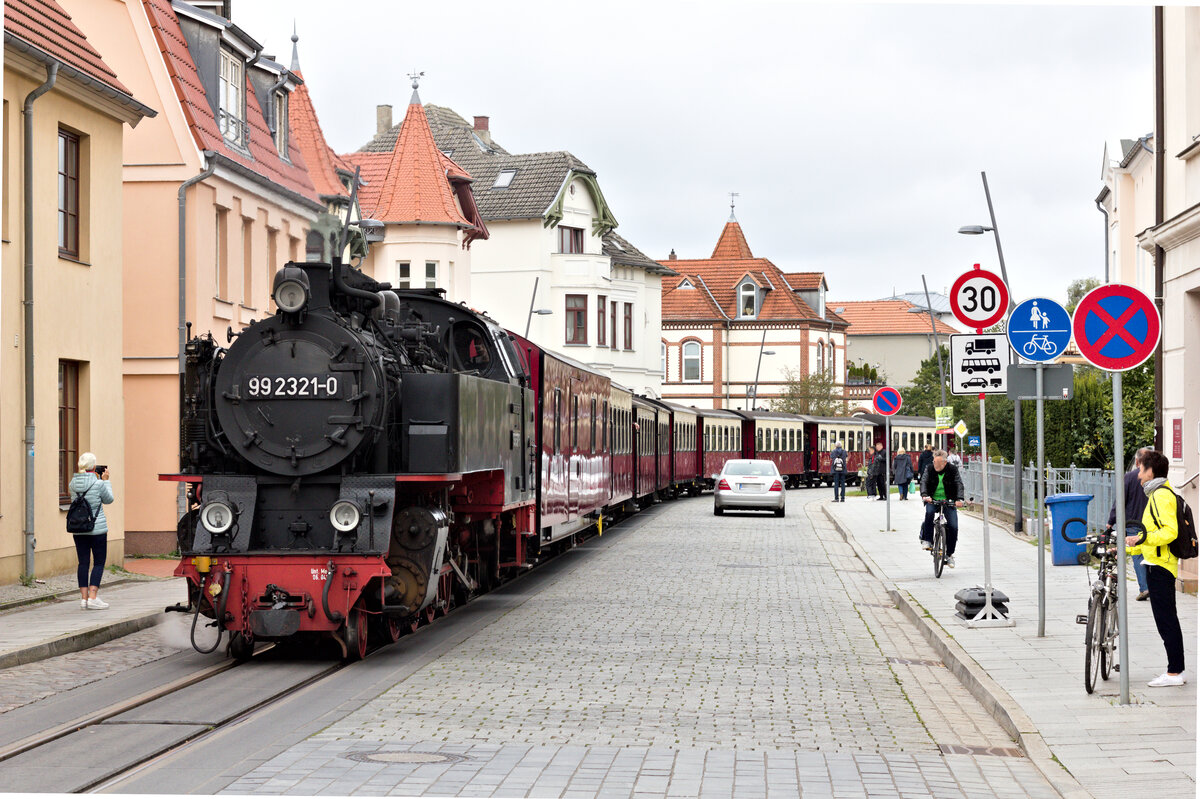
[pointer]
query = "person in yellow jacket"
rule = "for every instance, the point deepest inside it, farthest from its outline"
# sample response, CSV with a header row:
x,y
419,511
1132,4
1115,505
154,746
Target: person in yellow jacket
x,y
1162,567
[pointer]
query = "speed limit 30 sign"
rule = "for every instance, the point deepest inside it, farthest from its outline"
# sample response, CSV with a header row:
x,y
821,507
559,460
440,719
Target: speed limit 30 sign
x,y
979,298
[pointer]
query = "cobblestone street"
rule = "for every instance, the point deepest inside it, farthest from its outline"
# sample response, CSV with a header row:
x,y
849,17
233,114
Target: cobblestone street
x,y
691,656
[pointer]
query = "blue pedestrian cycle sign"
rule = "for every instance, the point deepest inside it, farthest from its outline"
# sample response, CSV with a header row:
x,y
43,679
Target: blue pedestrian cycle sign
x,y
1039,329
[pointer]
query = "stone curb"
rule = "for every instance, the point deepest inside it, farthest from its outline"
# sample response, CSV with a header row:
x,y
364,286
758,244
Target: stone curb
x,y
71,593
78,641
978,683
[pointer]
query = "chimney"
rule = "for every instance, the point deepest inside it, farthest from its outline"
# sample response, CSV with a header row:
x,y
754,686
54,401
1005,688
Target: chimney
x,y
481,129
383,119
672,256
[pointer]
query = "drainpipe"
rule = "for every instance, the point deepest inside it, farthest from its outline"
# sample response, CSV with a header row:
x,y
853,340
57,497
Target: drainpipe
x,y
27,167
1160,178
1100,207
210,162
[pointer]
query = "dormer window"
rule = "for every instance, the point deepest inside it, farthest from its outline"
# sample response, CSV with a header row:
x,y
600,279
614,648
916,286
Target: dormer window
x,y
281,123
686,284
747,300
231,114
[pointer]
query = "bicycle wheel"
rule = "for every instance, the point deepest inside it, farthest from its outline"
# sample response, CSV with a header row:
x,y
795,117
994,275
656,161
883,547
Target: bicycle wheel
x,y
1109,651
939,548
1031,347
1093,644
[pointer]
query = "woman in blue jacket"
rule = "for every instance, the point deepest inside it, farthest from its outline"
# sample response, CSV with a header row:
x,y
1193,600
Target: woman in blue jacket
x,y
92,547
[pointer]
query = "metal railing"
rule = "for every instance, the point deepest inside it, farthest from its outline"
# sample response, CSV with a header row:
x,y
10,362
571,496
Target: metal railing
x,y
1002,487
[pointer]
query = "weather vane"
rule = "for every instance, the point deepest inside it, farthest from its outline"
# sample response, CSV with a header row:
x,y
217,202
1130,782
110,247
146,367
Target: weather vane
x,y
733,195
416,77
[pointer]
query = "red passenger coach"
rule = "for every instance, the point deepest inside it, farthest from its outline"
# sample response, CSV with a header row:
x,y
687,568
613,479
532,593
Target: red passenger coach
x,y
721,442
779,438
646,462
685,450
620,446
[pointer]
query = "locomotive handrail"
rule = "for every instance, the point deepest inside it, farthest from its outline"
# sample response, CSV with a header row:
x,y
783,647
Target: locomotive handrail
x,y
334,616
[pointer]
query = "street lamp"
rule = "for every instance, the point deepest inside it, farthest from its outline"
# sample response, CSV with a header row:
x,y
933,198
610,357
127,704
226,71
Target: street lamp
x,y
539,312
761,353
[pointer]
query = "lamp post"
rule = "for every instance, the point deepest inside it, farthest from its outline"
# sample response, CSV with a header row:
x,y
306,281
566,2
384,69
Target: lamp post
x,y
976,230
539,312
761,353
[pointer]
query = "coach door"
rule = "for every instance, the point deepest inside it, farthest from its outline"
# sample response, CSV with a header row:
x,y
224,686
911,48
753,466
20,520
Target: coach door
x,y
573,468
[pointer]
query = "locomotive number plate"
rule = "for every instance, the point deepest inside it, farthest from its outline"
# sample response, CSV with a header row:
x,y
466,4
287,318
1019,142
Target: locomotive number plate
x,y
293,387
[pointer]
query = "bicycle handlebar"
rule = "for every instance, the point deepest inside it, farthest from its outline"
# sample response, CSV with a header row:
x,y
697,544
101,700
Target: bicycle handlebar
x,y
1071,521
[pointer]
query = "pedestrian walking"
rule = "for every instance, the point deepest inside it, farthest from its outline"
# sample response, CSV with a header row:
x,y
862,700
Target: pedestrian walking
x,y
1162,567
953,458
943,483
924,461
902,472
837,468
92,547
879,467
1135,507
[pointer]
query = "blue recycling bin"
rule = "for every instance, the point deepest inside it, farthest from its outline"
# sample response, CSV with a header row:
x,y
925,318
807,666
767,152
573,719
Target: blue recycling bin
x,y
1063,507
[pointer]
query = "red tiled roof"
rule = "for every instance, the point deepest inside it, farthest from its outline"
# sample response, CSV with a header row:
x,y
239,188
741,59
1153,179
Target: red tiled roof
x,y
732,244
373,169
882,317
688,303
305,130
805,281
264,159
416,187
48,27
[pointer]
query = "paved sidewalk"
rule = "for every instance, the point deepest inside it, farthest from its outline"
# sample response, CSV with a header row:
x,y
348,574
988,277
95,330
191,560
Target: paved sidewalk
x,y
1113,750
58,625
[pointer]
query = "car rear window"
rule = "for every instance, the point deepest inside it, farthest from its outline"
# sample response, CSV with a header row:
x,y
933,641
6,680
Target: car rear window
x,y
761,469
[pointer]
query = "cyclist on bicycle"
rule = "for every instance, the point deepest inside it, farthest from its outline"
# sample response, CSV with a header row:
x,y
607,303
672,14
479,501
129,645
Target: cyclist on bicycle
x,y
942,483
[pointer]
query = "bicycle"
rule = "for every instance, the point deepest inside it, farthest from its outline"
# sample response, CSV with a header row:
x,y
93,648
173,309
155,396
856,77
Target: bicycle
x,y
1100,637
1036,343
939,537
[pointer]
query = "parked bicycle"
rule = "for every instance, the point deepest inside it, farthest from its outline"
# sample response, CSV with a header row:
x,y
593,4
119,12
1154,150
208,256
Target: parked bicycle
x,y
1100,637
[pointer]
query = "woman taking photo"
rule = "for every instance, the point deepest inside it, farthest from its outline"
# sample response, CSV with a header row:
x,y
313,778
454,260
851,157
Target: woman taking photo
x,y
92,547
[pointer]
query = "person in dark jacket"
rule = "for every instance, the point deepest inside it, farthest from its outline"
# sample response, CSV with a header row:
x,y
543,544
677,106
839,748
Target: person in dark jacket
x,y
1135,506
92,547
879,470
924,460
902,472
942,482
837,468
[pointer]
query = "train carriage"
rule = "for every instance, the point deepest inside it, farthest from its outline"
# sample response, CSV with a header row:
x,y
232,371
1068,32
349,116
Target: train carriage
x,y
645,436
722,441
621,462
855,435
779,438
685,450
912,433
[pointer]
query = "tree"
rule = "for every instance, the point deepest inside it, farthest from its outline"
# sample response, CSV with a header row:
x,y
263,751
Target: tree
x,y
1077,290
814,394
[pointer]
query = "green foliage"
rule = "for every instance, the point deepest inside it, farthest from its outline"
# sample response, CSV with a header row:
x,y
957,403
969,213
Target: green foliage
x,y
26,580
1077,290
814,394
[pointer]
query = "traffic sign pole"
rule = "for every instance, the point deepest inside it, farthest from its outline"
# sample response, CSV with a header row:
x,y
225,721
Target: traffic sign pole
x,y
1040,498
887,467
1119,530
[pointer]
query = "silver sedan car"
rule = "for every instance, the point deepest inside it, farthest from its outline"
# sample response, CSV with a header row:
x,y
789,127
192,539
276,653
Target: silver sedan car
x,y
749,485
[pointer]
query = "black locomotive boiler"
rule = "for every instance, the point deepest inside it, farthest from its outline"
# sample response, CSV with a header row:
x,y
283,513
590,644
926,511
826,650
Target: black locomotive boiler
x,y
360,460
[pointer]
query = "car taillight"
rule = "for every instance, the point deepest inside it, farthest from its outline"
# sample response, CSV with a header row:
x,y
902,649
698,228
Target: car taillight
x,y
777,486
723,485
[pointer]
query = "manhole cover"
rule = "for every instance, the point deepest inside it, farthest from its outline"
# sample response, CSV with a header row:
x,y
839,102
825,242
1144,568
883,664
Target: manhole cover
x,y
419,758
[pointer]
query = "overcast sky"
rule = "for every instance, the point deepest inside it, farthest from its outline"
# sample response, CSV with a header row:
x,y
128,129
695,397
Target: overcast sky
x,y
855,134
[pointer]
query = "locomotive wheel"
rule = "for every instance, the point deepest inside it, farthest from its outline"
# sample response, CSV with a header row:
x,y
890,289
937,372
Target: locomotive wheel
x,y
241,647
355,631
431,613
393,628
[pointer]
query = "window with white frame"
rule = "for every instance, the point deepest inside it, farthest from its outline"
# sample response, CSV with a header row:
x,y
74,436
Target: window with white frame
x,y
431,274
691,361
403,275
662,358
281,123
820,356
747,300
231,113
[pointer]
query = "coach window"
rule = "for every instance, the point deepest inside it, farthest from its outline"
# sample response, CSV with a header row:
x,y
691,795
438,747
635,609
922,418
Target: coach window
x,y
574,423
792,440
758,436
777,449
592,428
895,441
558,420
824,439
604,432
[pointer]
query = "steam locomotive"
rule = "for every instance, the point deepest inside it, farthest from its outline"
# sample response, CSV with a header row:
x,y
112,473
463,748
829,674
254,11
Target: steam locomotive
x,y
366,459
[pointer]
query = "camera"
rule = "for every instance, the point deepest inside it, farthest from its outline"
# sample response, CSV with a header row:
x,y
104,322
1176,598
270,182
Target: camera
x,y
100,469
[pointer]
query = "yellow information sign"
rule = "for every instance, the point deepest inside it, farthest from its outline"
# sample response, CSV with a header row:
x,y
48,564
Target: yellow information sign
x,y
943,417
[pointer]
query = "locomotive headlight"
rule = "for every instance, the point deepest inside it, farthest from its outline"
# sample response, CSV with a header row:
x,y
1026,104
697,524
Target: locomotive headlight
x,y
217,517
344,516
290,296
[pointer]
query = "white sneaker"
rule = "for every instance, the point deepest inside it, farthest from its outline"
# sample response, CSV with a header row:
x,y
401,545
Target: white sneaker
x,y
925,545
1166,680
950,561
96,603
83,604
